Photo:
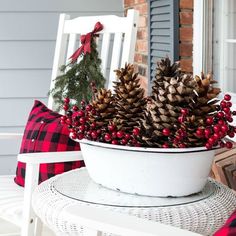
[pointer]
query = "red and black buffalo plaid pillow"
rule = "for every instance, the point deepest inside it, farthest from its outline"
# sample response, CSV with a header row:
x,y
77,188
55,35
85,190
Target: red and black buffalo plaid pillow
x,y
229,228
44,133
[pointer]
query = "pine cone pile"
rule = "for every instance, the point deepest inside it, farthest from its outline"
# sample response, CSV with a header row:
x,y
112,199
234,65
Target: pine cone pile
x,y
182,111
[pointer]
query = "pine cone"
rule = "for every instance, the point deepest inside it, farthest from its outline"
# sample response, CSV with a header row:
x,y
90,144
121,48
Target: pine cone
x,y
129,98
205,99
104,106
171,92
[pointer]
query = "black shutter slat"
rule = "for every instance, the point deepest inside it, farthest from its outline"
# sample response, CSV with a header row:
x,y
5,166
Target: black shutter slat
x,y
163,32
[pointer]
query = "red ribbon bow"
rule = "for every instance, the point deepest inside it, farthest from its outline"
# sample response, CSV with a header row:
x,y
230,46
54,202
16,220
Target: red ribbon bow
x,y
86,42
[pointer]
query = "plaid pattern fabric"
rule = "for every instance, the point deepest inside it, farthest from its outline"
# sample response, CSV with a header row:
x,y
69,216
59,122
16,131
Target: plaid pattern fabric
x,y
229,228
44,133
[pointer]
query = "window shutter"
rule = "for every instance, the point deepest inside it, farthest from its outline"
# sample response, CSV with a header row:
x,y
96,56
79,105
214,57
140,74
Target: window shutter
x,y
163,32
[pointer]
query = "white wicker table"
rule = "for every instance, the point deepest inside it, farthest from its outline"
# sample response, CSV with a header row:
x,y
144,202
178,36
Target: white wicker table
x,y
203,213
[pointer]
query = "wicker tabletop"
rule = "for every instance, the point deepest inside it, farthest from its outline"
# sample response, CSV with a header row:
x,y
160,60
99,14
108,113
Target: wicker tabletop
x,y
203,213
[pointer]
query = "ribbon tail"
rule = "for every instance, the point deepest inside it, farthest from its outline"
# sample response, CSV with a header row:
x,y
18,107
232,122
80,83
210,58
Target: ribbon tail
x,y
76,54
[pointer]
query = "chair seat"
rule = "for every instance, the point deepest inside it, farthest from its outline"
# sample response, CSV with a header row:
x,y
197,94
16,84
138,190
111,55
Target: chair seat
x,y
11,199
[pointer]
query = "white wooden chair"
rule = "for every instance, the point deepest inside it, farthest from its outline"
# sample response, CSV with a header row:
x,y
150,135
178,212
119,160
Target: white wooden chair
x,y
124,29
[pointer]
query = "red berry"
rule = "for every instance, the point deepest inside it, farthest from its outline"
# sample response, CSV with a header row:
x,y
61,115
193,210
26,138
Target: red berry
x,y
93,112
114,134
80,136
200,132
208,146
63,118
209,120
127,136
231,134
229,104
75,108
211,140
220,114
224,128
68,121
216,128
222,144
82,128
165,145
81,113
65,107
120,134
73,136
137,145
82,103
226,110
82,120
115,142
107,137
227,97
228,144
93,125
166,132
223,104
94,134
221,122
207,132
136,131
66,100
216,136
184,111
182,145
181,119
123,141
89,107
112,127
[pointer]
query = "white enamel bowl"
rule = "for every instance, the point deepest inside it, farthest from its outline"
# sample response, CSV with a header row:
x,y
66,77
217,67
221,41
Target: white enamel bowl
x,y
148,171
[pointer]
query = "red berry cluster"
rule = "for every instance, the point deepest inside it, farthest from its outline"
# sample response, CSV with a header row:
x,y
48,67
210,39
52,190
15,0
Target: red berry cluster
x,y
80,125
218,125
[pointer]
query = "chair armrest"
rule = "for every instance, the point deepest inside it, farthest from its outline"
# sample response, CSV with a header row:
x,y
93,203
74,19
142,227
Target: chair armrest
x,y
11,135
101,220
49,157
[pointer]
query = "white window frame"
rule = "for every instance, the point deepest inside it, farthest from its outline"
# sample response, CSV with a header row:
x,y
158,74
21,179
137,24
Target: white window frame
x,y
202,36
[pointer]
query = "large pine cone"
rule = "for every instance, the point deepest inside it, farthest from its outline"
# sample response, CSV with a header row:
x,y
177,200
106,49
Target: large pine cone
x,y
129,98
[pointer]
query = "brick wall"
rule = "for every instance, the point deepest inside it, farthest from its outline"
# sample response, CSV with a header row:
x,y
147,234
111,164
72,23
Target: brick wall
x,y
185,36
141,49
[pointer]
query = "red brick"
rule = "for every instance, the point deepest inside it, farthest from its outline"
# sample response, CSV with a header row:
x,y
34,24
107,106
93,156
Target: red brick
x,y
143,83
186,49
186,34
186,18
144,59
129,3
138,58
140,1
142,34
141,46
186,4
186,65
142,8
142,21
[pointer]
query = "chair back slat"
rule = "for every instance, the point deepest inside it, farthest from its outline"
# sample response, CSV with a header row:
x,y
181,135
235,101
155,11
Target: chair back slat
x,y
71,45
115,60
105,52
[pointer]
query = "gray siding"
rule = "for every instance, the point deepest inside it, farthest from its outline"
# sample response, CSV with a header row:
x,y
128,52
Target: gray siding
x,y
27,42
163,32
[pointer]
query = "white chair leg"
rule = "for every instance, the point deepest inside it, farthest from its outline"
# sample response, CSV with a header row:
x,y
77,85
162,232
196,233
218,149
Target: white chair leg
x,y
29,217
38,227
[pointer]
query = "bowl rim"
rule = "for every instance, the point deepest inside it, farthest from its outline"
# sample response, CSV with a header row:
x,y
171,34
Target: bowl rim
x,y
144,149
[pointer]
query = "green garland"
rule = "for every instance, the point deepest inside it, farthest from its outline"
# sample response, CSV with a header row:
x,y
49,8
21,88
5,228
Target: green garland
x,y
75,82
